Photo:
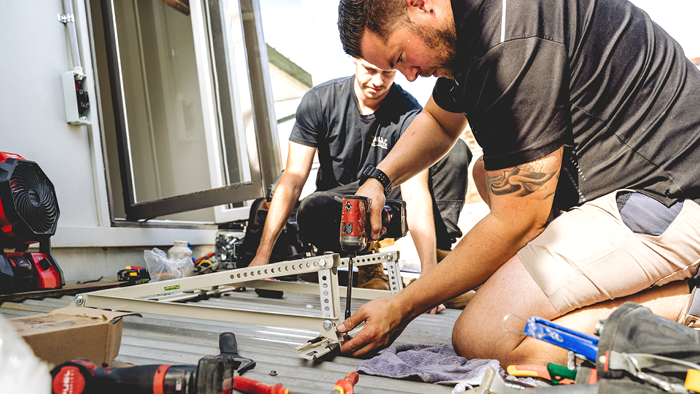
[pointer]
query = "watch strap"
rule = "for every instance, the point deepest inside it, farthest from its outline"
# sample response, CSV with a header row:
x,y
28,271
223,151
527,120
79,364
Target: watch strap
x,y
373,172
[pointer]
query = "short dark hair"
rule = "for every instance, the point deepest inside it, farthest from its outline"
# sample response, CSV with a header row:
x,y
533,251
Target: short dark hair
x,y
377,16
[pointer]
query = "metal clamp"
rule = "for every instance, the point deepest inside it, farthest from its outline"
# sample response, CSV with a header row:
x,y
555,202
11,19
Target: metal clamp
x,y
317,347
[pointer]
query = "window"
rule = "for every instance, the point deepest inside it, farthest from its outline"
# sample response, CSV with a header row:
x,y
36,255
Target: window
x,y
185,102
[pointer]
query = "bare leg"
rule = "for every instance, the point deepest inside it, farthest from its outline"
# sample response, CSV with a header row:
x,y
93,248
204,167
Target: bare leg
x,y
478,332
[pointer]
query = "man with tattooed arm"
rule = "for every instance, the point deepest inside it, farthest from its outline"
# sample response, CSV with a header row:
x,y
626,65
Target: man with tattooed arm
x,y
587,114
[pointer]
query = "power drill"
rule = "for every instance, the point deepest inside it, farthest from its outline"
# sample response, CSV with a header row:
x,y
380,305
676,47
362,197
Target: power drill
x,y
355,229
211,375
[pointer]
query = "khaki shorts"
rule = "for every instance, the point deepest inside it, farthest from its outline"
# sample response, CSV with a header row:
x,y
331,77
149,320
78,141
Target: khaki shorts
x,y
588,254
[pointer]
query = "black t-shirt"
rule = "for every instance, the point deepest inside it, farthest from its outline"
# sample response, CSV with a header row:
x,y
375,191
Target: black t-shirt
x,y
596,76
329,119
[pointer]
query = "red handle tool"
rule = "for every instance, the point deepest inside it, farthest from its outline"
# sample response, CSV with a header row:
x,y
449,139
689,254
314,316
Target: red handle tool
x,y
254,387
206,256
345,385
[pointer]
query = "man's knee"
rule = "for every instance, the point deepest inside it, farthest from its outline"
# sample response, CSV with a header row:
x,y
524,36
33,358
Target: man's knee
x,y
466,336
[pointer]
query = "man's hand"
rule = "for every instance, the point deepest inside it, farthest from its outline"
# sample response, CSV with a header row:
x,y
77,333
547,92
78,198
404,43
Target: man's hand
x,y
435,310
258,260
384,322
375,192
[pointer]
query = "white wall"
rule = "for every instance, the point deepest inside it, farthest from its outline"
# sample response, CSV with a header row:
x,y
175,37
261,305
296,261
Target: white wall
x,y
35,55
33,124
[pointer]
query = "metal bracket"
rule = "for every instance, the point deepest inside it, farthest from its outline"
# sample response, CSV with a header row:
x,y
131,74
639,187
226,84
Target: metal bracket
x,y
330,294
390,261
165,297
395,282
317,347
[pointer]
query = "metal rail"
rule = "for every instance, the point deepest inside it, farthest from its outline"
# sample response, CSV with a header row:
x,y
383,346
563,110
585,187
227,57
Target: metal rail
x,y
166,297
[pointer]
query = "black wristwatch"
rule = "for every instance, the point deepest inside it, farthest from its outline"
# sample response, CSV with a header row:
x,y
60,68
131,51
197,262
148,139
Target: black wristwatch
x,y
371,172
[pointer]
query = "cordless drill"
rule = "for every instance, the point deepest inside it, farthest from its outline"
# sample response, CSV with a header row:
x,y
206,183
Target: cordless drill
x,y
355,229
211,375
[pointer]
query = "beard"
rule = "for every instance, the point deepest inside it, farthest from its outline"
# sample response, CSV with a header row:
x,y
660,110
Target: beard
x,y
443,40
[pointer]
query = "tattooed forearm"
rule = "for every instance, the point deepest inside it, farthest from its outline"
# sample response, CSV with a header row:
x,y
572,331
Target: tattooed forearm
x,y
521,180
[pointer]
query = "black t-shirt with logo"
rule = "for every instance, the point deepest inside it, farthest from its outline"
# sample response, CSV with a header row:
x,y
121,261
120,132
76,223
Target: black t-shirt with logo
x,y
596,76
329,119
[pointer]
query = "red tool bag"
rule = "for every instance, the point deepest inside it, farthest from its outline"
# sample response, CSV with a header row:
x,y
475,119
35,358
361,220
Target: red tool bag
x,y
28,214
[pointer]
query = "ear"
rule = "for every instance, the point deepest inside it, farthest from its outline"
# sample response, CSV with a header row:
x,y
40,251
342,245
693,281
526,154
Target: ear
x,y
420,9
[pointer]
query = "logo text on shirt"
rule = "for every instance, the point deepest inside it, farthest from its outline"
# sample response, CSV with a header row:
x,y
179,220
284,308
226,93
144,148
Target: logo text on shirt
x,y
380,142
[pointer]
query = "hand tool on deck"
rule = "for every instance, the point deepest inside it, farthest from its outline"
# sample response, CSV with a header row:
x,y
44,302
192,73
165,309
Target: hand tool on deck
x,y
229,348
211,375
347,384
251,386
557,374
133,275
581,344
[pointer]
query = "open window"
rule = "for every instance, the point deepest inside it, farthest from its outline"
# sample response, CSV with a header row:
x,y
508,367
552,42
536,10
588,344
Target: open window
x,y
186,107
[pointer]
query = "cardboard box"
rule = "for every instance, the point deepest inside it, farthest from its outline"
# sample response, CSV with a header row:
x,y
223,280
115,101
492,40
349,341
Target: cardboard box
x,y
69,333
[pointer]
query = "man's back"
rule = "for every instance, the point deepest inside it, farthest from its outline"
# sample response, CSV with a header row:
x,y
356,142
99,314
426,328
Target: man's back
x,y
597,76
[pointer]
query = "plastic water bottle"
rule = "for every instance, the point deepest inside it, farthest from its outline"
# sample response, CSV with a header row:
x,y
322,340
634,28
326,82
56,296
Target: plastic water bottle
x,y
179,251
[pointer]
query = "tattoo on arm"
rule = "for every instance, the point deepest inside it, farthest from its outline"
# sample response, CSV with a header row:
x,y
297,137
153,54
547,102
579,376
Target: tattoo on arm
x,y
521,180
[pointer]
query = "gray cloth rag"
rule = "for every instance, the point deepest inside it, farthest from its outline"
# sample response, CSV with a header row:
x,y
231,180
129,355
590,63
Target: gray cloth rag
x,y
433,364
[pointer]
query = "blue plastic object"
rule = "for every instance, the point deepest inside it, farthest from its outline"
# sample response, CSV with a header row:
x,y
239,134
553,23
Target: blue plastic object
x,y
579,343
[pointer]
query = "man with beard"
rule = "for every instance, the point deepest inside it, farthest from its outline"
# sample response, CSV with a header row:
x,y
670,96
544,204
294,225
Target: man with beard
x,y
353,123
587,114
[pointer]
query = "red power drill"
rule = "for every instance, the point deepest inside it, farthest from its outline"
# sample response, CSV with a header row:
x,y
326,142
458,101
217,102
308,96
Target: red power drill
x,y
212,375
355,229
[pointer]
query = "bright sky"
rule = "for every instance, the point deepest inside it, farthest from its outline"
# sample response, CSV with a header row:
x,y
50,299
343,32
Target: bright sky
x,y
305,31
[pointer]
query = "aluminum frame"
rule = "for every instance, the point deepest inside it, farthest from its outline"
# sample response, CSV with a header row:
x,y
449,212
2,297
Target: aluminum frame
x,y
165,297
261,144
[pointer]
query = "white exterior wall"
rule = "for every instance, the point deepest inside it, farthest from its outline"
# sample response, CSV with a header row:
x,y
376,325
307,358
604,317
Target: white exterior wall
x,y
32,110
35,54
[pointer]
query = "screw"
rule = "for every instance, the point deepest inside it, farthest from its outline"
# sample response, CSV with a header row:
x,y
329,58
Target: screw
x,y
327,324
322,262
273,373
390,257
598,328
79,300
